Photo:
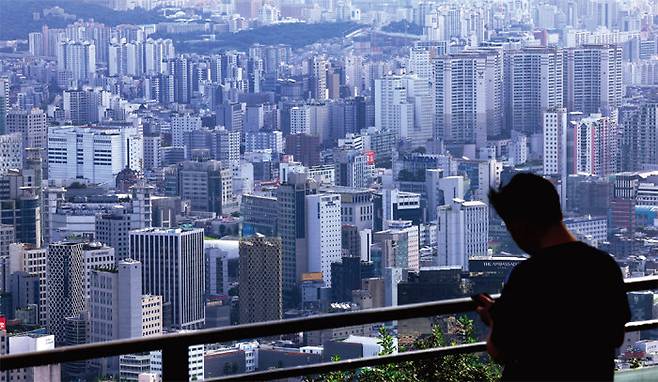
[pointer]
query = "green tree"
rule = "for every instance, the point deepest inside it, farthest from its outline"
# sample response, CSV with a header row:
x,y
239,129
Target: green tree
x,y
451,368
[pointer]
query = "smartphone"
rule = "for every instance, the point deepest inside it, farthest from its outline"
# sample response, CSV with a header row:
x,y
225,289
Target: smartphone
x,y
478,298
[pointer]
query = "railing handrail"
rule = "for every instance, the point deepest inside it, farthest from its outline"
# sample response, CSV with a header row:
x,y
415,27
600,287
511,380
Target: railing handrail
x,y
180,341
355,363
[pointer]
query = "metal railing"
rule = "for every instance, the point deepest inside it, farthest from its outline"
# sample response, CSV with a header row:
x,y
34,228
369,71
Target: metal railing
x,y
175,346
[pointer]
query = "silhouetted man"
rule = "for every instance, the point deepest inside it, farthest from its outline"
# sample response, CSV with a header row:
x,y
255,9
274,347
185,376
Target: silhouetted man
x,y
562,312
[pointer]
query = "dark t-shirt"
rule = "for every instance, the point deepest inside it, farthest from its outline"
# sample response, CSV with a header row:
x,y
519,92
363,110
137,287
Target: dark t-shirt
x,y
560,315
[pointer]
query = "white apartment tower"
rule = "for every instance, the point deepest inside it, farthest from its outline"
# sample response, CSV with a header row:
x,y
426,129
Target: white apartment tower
x,y
534,84
181,124
77,58
468,96
300,120
173,267
323,228
555,142
596,145
462,232
593,79
393,110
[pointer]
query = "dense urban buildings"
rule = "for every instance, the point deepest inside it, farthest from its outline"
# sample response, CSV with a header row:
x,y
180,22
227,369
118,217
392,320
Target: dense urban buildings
x,y
169,167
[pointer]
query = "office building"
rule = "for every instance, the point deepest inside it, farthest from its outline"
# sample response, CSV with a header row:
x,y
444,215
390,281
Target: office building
x,y
263,140
30,124
83,106
463,228
94,153
207,185
260,287
291,206
4,104
31,260
356,205
323,228
76,332
65,280
300,120
400,245
21,201
11,152
132,365
33,342
304,148
173,267
181,124
440,190
391,204
259,215
221,144
115,306
152,152
112,229
354,168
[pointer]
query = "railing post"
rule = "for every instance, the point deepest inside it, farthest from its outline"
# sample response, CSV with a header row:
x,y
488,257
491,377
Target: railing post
x,y
175,363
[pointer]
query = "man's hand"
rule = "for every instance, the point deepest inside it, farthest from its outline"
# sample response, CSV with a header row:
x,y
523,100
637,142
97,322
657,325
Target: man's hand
x,y
485,302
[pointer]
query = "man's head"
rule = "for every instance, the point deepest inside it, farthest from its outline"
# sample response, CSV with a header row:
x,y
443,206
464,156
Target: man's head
x,y
530,206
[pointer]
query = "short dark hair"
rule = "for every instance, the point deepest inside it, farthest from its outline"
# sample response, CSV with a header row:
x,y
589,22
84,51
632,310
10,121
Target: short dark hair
x,y
527,197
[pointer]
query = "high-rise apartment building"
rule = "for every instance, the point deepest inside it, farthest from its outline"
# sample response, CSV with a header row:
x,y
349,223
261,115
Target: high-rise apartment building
x,y
65,280
555,142
593,79
462,232
394,112
533,84
300,120
596,145
4,104
77,59
639,138
324,238
81,106
173,267
260,287
468,96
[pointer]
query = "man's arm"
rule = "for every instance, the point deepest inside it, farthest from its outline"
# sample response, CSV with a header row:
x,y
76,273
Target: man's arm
x,y
484,311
